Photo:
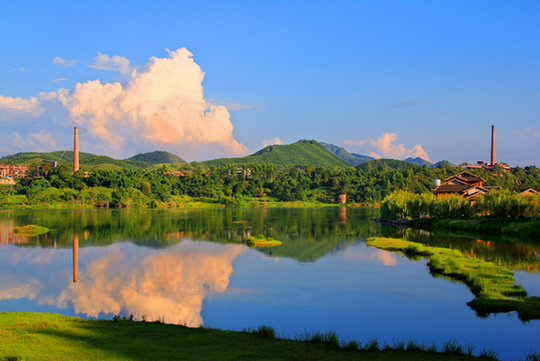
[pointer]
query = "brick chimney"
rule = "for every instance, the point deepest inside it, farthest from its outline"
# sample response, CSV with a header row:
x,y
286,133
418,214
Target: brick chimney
x,y
76,151
492,145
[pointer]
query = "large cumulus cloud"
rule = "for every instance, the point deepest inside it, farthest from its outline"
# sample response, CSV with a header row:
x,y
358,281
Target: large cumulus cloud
x,y
160,105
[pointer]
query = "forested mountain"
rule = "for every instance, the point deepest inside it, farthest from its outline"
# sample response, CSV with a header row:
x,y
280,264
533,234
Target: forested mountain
x,y
443,163
352,158
302,153
29,158
157,157
418,161
384,165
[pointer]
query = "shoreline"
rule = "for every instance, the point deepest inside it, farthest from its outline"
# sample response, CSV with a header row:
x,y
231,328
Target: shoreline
x,y
47,336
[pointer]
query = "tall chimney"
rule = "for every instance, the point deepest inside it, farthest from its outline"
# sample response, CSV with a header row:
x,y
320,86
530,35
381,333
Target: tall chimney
x,y
492,145
76,151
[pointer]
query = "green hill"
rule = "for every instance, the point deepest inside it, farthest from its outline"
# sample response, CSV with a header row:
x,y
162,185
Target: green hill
x,y
157,157
34,158
104,162
385,165
86,160
352,158
418,160
302,153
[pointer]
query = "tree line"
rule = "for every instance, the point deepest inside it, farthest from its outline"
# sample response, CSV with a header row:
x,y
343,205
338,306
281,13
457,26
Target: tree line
x,y
231,185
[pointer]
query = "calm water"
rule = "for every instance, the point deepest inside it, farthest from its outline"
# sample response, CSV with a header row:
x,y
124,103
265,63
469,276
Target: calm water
x,y
187,267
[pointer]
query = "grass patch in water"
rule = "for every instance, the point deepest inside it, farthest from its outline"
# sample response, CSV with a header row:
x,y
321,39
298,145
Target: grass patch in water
x,y
262,241
30,230
493,286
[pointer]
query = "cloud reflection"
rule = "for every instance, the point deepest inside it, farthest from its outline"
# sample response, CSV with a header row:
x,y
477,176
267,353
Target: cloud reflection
x,y
356,253
167,285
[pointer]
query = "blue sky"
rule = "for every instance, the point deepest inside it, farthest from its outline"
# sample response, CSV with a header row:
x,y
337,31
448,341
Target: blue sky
x,y
384,78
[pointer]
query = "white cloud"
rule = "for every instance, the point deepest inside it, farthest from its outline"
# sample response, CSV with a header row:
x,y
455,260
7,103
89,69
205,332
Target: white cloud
x,y
159,106
384,145
19,69
534,132
114,63
267,142
37,142
64,62
58,80
13,106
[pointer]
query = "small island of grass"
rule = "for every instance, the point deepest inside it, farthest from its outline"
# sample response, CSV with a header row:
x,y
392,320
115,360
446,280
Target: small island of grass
x,y
31,230
494,286
262,241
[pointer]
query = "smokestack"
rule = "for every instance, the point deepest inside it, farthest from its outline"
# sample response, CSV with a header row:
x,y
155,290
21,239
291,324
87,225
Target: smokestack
x,y
492,145
76,151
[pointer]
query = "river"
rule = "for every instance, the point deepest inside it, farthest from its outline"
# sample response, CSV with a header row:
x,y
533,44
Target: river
x,y
189,266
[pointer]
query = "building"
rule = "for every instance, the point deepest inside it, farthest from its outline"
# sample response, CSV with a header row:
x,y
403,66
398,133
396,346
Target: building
x,y
13,171
470,186
464,184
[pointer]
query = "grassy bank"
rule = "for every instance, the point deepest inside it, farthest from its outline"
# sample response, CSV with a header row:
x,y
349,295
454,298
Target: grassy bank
x,y
41,336
493,286
21,202
509,226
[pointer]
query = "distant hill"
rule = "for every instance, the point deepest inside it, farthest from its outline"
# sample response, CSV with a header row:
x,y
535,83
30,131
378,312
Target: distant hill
x,y
418,161
351,158
443,163
157,157
87,160
385,165
31,158
301,153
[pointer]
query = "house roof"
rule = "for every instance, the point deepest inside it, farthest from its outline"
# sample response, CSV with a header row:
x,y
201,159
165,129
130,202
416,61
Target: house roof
x,y
524,191
466,177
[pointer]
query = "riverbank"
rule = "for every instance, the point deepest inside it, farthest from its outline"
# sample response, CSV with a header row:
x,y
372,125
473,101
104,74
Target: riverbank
x,y
44,336
20,202
508,226
493,286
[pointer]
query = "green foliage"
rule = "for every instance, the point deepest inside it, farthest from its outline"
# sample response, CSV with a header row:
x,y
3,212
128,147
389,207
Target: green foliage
x,y
494,286
54,337
352,158
30,230
302,153
497,203
157,157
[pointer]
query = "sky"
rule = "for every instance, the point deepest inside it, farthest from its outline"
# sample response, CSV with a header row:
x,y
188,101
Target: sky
x,y
211,79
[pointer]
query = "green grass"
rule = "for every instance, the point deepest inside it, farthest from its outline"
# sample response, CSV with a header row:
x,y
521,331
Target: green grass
x,y
42,336
262,241
30,230
493,286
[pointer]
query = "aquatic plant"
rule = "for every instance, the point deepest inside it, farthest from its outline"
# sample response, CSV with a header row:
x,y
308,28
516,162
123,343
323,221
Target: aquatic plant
x,y
493,286
262,241
30,230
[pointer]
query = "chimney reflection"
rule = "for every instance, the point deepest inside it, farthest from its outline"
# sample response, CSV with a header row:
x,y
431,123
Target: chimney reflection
x,y
75,256
342,214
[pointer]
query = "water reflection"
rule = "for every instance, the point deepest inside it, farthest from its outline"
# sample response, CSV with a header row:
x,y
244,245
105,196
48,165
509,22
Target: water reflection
x,y
491,248
165,285
385,258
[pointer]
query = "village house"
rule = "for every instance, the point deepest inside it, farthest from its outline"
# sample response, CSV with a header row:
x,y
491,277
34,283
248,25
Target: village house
x,y
464,184
13,171
470,186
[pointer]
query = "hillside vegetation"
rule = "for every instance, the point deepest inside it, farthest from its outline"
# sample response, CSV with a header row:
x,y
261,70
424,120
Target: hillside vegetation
x,y
157,157
352,158
302,153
